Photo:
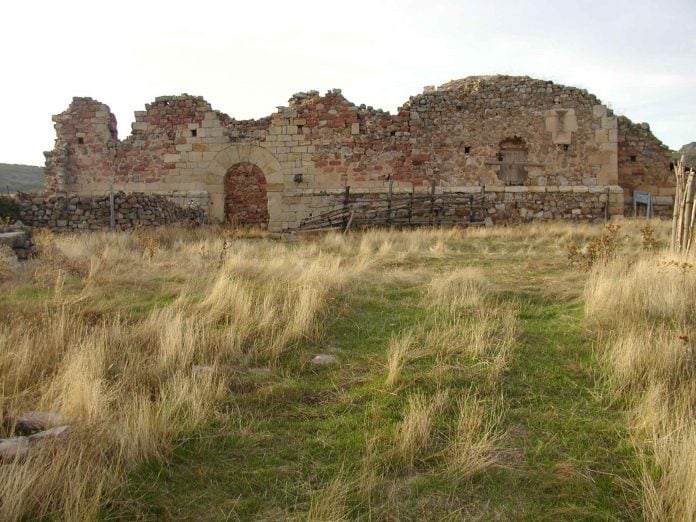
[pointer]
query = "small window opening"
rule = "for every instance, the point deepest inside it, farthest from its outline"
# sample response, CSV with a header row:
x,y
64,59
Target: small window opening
x,y
194,133
467,149
80,141
564,147
459,108
393,133
299,129
633,158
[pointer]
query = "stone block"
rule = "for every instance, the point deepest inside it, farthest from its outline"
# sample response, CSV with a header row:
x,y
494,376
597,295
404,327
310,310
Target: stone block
x,y
599,111
609,122
172,158
515,188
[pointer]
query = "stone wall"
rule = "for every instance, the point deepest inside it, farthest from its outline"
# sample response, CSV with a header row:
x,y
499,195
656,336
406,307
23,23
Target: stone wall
x,y
644,165
513,204
488,132
75,213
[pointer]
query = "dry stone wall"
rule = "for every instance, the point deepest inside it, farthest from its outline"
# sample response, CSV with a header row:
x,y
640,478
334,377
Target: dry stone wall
x,y
642,161
482,133
73,213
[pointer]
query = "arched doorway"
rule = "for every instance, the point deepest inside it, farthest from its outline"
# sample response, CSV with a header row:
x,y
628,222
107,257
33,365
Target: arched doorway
x,y
246,199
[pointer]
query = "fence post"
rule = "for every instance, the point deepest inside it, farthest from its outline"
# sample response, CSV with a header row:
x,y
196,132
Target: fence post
x,y
346,205
410,206
112,216
389,203
432,203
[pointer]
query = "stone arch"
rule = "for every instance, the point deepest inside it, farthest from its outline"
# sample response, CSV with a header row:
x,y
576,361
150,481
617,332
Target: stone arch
x,y
246,153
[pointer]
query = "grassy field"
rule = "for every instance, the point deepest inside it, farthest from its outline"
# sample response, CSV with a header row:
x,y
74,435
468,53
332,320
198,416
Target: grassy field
x,y
478,375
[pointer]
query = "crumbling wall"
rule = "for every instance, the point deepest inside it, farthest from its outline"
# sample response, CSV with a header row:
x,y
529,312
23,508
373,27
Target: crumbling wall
x,y
73,213
644,165
85,147
480,132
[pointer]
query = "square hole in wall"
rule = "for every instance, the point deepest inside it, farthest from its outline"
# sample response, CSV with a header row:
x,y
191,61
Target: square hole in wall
x,y
467,149
564,147
80,141
634,158
194,133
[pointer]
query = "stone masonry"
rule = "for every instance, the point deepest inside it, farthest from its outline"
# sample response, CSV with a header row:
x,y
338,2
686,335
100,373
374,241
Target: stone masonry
x,y
73,213
527,144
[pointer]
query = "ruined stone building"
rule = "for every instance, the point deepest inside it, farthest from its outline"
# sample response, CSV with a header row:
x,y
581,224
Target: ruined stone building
x,y
537,150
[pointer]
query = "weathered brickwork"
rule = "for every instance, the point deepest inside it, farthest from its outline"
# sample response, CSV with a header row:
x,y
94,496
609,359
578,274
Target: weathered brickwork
x,y
73,213
480,133
245,195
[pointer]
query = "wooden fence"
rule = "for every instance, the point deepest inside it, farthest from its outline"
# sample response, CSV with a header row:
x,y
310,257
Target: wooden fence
x,y
399,211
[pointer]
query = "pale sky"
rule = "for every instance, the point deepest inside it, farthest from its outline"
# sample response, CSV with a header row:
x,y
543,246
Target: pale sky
x,y
248,57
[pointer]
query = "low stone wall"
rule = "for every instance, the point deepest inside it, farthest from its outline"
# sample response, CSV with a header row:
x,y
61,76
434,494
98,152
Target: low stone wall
x,y
83,213
499,204
18,238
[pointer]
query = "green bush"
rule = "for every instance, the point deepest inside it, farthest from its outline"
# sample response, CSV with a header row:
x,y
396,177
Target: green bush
x,y
9,210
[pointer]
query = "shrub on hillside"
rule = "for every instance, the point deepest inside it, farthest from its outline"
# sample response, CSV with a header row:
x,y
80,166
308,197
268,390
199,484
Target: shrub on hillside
x,y
9,210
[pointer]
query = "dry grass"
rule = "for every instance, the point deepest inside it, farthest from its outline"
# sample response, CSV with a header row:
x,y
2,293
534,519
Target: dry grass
x,y
414,433
475,444
398,354
127,377
645,308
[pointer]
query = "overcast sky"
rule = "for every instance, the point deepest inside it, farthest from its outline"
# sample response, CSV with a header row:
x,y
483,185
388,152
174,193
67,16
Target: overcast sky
x,y
248,57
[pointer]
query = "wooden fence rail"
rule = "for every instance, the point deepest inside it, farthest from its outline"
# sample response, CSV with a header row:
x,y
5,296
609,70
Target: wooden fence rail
x,y
399,211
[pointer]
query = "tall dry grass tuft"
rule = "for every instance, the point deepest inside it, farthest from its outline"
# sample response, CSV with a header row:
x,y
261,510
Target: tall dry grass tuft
x,y
330,503
465,287
398,353
475,444
644,310
414,432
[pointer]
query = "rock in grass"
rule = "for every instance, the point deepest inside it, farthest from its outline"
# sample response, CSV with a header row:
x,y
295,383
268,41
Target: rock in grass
x,y
13,449
53,433
36,421
200,371
324,359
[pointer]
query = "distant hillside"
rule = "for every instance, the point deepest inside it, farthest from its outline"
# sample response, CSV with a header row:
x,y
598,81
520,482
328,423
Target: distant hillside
x,y
689,151
20,178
